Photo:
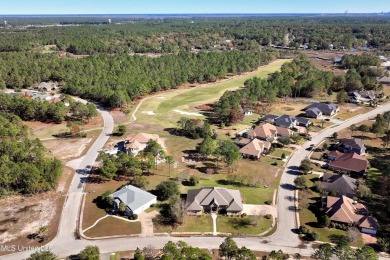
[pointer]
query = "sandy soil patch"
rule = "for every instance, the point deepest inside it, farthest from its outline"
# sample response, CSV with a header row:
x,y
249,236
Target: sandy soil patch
x,y
119,116
20,216
187,113
66,149
149,113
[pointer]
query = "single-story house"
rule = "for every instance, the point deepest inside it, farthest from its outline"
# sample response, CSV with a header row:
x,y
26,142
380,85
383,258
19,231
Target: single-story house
x,y
355,145
384,80
268,132
313,112
361,96
135,199
135,143
248,112
349,212
255,148
339,183
214,199
350,163
286,121
316,110
269,118
47,86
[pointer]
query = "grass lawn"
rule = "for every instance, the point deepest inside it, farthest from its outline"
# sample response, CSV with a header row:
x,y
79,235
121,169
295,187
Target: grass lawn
x,y
111,226
183,99
287,108
94,190
278,153
234,225
201,223
307,201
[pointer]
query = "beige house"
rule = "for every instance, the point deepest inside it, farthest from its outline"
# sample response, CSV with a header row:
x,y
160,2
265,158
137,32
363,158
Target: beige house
x,y
268,132
135,143
214,199
255,148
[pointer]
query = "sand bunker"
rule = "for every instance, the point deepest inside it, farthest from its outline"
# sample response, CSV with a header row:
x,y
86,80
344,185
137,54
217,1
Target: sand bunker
x,y
150,113
187,113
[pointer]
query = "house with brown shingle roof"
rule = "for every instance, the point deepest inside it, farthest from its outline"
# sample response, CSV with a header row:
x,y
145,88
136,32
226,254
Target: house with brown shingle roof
x,y
255,148
214,199
135,143
347,211
268,132
350,163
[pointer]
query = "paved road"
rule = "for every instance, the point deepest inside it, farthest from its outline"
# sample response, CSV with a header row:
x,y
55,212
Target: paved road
x,y
284,238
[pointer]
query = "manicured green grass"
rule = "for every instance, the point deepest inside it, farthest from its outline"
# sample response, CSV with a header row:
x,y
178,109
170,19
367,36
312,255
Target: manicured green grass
x,y
249,195
278,153
201,223
182,99
227,224
111,226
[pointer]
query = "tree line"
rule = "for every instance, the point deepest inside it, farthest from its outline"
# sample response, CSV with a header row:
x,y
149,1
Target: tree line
x,y
174,35
116,80
41,110
23,165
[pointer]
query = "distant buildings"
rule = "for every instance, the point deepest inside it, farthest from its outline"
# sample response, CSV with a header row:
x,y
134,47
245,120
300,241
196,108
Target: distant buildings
x,y
286,121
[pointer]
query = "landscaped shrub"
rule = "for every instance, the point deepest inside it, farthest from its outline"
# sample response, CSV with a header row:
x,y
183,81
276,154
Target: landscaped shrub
x,y
133,217
268,202
313,236
303,230
268,216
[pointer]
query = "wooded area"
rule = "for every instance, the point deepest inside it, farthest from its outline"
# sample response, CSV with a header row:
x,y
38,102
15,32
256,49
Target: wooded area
x,y
23,165
172,35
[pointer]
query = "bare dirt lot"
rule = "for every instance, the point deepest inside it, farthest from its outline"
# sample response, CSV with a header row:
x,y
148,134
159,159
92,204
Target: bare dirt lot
x,y
22,216
67,149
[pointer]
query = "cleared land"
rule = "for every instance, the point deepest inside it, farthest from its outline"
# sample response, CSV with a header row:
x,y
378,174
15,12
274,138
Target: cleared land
x,y
201,223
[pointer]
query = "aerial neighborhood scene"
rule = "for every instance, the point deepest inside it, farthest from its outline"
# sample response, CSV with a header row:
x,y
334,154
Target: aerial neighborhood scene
x,y
179,130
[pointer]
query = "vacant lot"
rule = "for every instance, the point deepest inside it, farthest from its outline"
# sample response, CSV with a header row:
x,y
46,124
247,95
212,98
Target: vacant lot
x,y
111,226
22,216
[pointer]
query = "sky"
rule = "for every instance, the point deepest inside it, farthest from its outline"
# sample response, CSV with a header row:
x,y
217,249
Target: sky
x,y
190,6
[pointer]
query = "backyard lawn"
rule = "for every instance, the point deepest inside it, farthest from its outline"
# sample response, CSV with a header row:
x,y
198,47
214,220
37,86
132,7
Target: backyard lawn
x,y
278,153
111,226
239,225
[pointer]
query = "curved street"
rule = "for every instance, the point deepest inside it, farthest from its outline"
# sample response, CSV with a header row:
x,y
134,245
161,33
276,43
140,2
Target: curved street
x,y
66,243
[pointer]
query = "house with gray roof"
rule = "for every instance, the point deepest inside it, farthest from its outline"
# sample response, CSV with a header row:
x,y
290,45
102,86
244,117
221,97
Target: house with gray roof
x,y
341,184
135,199
316,110
214,199
355,145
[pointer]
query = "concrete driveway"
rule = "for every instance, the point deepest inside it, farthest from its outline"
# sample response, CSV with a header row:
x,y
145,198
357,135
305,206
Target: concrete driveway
x,y
253,209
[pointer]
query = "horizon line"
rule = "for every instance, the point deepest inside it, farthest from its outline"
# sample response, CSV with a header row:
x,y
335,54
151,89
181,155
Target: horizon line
x,y
57,14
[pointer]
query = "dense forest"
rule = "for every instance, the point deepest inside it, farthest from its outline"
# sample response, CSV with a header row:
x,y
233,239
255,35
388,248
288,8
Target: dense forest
x,y
116,80
172,35
44,111
300,78
24,167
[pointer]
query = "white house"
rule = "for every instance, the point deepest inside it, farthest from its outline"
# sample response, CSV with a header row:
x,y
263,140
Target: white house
x,y
135,199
